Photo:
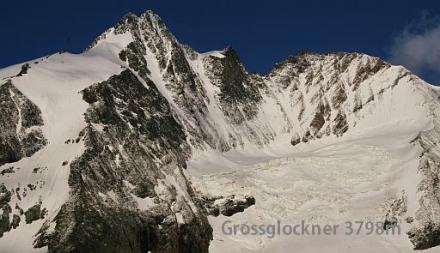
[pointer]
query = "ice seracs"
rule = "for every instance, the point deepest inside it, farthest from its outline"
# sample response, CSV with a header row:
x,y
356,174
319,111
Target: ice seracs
x,y
127,123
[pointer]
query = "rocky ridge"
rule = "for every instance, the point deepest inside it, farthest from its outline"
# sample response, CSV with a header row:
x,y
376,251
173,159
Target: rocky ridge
x,y
169,103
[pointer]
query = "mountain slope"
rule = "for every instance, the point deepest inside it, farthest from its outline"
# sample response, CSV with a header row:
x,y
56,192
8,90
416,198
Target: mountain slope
x,y
97,144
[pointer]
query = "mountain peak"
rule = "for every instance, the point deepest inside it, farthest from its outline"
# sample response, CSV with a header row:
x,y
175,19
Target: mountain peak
x,y
132,18
124,119
126,21
147,22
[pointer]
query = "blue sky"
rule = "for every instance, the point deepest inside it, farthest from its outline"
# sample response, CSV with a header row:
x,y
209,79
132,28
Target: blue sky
x,y
263,32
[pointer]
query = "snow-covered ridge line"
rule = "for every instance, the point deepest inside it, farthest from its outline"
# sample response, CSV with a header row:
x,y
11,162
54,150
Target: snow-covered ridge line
x,y
39,184
122,119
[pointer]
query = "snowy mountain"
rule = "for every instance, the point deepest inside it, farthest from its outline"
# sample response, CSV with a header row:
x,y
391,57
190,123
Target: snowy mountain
x,y
141,144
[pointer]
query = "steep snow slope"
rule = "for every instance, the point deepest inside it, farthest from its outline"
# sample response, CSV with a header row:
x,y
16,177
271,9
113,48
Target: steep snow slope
x,y
322,137
53,84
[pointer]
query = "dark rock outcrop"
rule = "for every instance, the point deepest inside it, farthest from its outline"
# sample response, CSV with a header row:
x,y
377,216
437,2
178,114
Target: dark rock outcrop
x,y
141,148
6,210
425,230
396,209
18,118
128,191
228,206
239,96
34,213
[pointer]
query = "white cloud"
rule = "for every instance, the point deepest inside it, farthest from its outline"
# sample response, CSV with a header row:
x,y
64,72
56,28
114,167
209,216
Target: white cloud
x,y
418,48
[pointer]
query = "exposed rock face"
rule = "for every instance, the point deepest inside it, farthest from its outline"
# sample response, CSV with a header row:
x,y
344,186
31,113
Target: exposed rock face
x,y
396,209
136,152
20,121
24,69
324,89
228,206
15,221
128,191
239,94
321,89
425,233
5,197
33,213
